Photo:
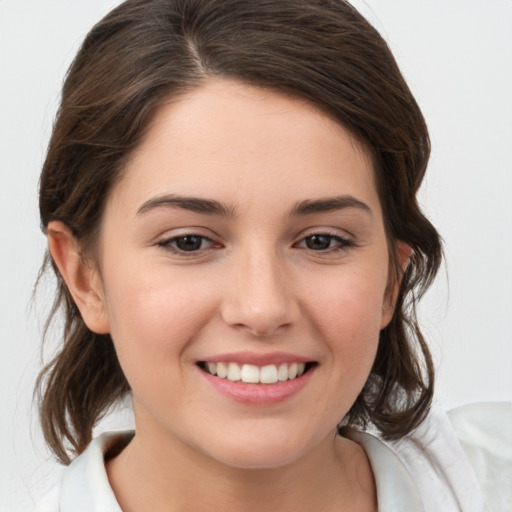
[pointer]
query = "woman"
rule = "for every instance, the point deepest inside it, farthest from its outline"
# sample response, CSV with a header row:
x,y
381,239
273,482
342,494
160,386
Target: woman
x,y
230,202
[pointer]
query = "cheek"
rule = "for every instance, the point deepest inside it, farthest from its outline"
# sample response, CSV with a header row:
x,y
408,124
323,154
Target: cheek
x,y
347,313
153,316
354,301
152,324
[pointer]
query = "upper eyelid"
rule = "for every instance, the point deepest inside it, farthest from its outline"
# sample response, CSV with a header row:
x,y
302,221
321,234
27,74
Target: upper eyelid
x,y
334,232
178,232
341,239
208,233
345,235
168,239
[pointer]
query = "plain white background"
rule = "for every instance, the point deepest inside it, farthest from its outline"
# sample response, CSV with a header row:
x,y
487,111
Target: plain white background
x,y
456,56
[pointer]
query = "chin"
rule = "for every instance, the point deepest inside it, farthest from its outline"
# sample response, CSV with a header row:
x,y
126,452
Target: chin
x,y
260,451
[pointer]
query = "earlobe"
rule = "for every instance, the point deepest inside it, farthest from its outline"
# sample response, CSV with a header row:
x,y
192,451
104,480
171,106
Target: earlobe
x,y
80,275
403,256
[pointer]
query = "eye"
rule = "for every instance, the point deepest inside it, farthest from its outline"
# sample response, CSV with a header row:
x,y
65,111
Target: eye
x,y
324,242
187,243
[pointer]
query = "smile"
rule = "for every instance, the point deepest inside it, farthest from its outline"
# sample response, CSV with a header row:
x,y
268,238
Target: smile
x,y
252,374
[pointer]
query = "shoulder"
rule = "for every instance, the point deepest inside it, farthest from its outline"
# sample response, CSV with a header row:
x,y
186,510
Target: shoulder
x,y
448,463
465,453
485,433
84,485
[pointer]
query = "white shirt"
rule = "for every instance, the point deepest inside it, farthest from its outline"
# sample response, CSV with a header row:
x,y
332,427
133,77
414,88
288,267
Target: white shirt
x,y
451,463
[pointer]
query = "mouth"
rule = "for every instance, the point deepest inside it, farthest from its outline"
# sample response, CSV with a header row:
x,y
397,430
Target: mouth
x,y
253,374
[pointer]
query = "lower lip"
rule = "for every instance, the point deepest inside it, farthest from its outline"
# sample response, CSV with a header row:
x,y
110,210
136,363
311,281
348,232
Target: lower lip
x,y
258,394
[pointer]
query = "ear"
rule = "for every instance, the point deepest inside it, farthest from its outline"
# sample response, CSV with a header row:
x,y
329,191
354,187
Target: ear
x,y
403,254
80,275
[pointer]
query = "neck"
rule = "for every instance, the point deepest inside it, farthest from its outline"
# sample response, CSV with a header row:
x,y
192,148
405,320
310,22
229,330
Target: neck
x,y
149,475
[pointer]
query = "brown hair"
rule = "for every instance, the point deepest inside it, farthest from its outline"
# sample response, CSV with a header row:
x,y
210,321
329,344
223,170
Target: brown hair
x,y
147,51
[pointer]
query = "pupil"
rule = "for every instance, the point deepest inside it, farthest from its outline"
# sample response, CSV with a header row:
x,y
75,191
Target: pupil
x,y
189,243
318,242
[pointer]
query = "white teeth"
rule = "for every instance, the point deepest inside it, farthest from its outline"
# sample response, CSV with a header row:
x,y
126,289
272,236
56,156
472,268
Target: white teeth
x,y
269,374
250,373
222,370
282,373
234,372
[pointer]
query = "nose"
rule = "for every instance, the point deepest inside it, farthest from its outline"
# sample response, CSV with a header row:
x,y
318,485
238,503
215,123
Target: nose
x,y
259,297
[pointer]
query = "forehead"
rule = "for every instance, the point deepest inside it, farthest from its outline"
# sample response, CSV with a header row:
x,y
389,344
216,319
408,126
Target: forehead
x,y
241,144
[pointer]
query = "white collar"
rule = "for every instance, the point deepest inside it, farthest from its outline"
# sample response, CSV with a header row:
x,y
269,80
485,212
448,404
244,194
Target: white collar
x,y
85,485
424,472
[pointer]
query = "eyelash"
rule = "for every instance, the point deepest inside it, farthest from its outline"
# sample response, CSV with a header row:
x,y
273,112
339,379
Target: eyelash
x,y
341,244
167,244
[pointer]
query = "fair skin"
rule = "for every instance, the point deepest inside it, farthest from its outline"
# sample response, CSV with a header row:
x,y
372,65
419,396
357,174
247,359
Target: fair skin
x,y
246,229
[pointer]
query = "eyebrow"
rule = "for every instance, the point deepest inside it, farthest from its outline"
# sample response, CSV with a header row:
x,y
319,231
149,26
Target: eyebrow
x,y
329,204
212,207
193,204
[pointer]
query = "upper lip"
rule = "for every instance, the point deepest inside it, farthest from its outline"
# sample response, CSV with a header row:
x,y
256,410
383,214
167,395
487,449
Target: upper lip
x,y
256,359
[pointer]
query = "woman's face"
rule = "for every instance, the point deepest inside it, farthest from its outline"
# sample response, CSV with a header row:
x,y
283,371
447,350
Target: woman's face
x,y
246,236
